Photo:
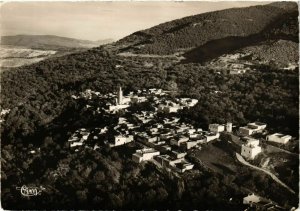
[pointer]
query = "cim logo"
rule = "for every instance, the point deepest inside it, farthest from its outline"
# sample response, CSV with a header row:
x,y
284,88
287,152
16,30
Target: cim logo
x,y
30,191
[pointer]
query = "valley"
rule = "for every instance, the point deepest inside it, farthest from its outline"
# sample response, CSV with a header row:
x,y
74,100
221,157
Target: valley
x,y
16,57
21,50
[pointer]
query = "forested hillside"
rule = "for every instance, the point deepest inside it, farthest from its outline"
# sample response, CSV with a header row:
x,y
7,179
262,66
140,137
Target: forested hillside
x,y
190,32
280,53
38,93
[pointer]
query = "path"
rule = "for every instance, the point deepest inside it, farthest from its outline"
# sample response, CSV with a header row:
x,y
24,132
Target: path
x,y
129,54
243,161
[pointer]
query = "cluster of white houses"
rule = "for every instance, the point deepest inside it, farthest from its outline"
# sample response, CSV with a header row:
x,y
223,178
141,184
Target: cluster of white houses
x,y
251,148
118,101
165,140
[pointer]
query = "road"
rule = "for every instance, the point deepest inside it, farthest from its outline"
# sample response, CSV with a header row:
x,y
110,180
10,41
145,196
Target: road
x,y
129,54
243,161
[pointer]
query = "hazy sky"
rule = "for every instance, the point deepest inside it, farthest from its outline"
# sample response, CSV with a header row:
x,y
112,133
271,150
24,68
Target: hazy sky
x,y
98,20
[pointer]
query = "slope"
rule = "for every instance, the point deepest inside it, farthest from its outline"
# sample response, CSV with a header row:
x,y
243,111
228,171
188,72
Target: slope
x,y
190,32
49,42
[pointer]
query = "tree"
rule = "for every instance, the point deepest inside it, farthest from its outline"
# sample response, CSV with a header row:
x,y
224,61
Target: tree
x,y
99,177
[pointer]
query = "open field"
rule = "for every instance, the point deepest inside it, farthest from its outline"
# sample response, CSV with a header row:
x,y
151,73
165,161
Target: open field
x,y
16,57
218,157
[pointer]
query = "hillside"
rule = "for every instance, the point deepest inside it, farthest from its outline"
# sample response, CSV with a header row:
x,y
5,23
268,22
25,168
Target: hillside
x,y
21,50
193,31
16,57
49,42
282,53
97,67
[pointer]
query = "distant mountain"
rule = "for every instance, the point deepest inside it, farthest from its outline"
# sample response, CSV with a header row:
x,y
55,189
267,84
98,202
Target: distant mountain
x,y
185,34
20,50
49,42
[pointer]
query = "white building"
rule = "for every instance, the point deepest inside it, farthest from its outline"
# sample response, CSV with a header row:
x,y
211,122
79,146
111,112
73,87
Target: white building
x,y
183,166
179,140
120,96
171,109
137,99
251,199
188,102
251,149
246,131
76,143
117,107
237,71
79,137
216,128
259,125
191,131
159,142
191,144
121,140
166,147
229,127
178,154
4,112
126,100
167,160
144,154
279,138
151,139
211,136
252,128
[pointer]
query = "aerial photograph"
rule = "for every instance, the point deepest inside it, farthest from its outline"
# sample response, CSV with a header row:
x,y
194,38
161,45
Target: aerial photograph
x,y
149,105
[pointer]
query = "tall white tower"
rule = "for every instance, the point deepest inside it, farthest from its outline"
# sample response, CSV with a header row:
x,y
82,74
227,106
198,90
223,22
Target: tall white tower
x,y
120,96
229,127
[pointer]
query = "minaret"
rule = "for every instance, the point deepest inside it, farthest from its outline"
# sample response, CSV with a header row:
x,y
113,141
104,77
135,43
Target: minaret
x,y
229,127
120,96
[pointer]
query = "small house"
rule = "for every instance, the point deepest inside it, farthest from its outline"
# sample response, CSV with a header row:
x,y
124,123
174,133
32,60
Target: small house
x,y
279,138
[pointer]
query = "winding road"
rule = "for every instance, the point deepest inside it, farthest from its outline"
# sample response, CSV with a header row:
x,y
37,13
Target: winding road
x,y
243,161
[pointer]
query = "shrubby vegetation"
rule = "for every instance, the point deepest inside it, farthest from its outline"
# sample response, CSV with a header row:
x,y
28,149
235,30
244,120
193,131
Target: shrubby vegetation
x,y
267,95
190,32
278,52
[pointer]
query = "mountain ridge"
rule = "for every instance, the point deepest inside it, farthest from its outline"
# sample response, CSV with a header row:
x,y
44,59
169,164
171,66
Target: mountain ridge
x,y
49,42
193,31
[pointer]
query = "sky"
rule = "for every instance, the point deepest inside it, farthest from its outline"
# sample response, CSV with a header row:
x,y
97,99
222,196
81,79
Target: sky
x,y
99,20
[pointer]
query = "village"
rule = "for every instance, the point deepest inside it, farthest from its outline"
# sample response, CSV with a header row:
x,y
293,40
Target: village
x,y
159,134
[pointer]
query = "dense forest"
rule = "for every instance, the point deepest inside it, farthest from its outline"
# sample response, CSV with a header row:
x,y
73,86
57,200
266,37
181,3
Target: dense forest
x,y
190,32
109,179
43,115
